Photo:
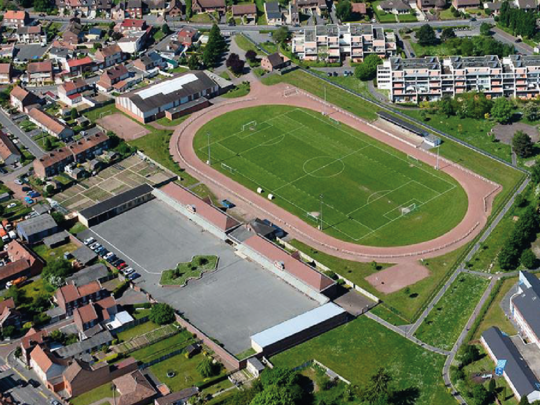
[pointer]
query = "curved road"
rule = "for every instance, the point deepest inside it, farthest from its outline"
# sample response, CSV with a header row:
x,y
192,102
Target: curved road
x,y
477,188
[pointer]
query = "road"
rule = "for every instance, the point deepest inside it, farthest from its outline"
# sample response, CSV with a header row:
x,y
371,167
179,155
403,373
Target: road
x,y
32,146
504,37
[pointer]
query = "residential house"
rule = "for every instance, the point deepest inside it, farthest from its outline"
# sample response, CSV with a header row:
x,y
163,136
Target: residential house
x,y
77,67
9,316
209,6
96,272
274,61
187,36
74,32
84,149
247,12
149,61
494,8
81,377
90,318
426,5
82,350
109,56
60,55
516,371
118,12
94,34
134,389
30,341
40,72
156,6
83,255
130,24
34,230
175,9
86,8
9,153
15,19
22,262
360,9
177,398
273,13
311,6
111,77
49,124
527,5
47,366
23,100
70,297
134,8
5,73
31,34
133,41
293,15
395,7
170,48
70,93
463,4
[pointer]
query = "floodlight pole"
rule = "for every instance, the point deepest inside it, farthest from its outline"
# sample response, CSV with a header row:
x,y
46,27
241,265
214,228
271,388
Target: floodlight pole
x,y
320,213
437,166
209,162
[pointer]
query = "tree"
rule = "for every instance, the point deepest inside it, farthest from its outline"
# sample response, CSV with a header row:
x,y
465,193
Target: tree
x,y
279,387
207,368
528,259
530,111
18,352
57,336
367,70
281,35
97,45
522,144
9,331
447,33
470,355
447,106
524,400
214,47
235,64
56,269
535,173
481,395
49,189
344,10
162,314
485,29
426,36
74,114
502,110
165,29
193,62
251,55
47,144
492,387
378,389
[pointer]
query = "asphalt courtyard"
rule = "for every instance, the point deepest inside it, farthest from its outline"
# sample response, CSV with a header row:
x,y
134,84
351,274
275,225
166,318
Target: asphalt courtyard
x,y
237,300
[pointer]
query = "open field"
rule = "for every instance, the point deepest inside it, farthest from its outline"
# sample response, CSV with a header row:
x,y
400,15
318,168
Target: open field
x,y
371,194
163,347
103,391
443,325
356,350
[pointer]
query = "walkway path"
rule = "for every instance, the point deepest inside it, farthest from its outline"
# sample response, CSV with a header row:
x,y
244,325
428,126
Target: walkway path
x,y
480,191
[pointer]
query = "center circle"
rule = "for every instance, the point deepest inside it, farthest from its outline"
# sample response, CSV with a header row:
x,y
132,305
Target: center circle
x,y
323,167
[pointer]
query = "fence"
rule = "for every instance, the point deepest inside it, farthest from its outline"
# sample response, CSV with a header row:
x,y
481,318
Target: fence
x,y
329,372
160,359
321,266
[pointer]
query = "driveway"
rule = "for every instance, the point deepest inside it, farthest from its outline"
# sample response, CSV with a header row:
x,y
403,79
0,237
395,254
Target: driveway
x,y
27,141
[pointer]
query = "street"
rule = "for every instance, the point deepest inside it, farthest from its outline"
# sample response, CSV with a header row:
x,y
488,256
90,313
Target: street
x,y
32,146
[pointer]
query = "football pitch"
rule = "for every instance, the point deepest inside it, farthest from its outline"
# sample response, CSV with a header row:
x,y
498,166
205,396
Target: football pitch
x,y
360,189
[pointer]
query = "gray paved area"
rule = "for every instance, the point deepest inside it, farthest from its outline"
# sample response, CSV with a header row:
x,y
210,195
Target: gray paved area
x,y
530,353
231,304
30,52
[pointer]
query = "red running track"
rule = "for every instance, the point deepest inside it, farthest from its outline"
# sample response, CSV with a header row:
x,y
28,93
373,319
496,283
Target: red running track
x,y
480,192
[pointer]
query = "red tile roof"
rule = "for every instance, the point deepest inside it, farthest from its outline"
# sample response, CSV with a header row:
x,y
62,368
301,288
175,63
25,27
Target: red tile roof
x,y
203,208
40,67
80,62
359,8
47,121
87,313
5,68
293,266
14,15
7,147
132,23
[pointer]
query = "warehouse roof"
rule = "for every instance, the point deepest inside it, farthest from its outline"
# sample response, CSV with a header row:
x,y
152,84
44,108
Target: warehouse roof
x,y
113,202
171,90
297,324
516,368
36,225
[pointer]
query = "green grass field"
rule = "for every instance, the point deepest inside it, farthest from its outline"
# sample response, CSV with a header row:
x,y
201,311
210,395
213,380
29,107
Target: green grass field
x,y
356,350
445,322
367,187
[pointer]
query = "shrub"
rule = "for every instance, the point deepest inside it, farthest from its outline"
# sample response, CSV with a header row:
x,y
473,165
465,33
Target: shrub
x,y
162,314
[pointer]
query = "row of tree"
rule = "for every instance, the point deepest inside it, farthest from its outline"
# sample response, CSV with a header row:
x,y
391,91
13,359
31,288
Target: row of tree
x,y
519,21
516,247
476,105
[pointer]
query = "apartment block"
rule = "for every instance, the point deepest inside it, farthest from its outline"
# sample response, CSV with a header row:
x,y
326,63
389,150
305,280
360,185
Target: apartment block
x,y
429,79
337,42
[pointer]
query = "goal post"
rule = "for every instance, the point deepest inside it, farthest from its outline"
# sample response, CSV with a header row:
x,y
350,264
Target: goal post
x,y
250,125
228,168
288,92
408,209
413,159
333,121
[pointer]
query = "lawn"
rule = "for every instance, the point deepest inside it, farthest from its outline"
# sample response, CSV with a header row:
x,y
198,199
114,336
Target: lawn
x,y
103,391
172,123
334,95
201,18
98,113
54,142
372,193
495,316
246,45
261,16
137,331
77,228
56,253
269,47
35,288
381,15
186,374
186,271
356,350
403,18
239,91
163,347
446,321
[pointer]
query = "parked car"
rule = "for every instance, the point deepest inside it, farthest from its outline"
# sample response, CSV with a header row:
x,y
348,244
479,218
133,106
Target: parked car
x,y
18,181
28,200
33,383
121,265
109,255
26,188
127,271
11,205
133,276
227,204
97,248
89,241
34,194
94,245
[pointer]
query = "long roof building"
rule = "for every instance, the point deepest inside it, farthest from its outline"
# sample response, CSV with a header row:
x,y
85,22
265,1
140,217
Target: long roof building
x,y
150,103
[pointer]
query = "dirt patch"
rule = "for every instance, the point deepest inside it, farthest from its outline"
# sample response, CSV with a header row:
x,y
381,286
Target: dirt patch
x,y
397,277
122,126
505,133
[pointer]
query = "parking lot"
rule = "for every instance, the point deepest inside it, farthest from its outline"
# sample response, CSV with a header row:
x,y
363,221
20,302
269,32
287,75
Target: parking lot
x,y
230,304
27,53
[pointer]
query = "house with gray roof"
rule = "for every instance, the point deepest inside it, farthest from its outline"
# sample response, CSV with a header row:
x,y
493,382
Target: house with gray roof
x,y
273,13
525,307
97,272
35,229
515,369
84,255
